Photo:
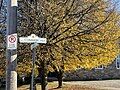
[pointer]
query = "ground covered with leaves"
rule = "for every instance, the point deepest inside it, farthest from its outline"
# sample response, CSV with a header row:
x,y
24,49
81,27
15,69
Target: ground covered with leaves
x,y
53,86
80,85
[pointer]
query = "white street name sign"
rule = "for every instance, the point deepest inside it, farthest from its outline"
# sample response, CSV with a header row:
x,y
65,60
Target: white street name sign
x,y
12,41
32,39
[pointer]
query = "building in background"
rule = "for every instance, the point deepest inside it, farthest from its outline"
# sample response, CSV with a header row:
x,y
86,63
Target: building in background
x,y
112,71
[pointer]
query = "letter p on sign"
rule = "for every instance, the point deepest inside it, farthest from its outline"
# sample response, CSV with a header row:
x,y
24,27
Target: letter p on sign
x,y
12,41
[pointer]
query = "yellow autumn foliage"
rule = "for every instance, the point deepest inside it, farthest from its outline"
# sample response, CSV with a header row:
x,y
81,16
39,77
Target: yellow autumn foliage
x,y
88,50
80,33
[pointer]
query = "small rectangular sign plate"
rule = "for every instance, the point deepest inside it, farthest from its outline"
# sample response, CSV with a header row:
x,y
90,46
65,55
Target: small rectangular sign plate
x,y
14,3
12,41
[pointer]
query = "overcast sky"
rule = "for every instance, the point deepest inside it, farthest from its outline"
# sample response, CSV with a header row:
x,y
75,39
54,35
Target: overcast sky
x,y
117,3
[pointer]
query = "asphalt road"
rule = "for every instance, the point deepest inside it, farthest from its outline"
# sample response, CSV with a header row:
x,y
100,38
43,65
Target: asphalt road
x,y
102,85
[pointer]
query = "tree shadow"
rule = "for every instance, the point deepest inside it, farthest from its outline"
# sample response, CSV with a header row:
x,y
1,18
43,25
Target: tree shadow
x,y
55,88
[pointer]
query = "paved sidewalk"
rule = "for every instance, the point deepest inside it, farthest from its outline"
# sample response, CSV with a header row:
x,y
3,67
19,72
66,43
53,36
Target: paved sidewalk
x,y
102,85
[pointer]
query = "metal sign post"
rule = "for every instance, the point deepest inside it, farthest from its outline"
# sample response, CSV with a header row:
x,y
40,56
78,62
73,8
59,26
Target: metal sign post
x,y
35,40
33,67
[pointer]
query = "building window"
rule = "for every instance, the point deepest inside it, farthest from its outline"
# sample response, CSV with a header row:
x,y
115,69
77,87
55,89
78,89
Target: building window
x,y
118,62
99,67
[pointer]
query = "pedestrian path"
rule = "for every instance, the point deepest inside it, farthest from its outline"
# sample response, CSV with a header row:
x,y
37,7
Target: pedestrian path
x,y
102,85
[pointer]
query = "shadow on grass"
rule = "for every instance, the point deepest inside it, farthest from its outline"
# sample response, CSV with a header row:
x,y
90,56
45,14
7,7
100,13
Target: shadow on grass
x,y
55,88
2,88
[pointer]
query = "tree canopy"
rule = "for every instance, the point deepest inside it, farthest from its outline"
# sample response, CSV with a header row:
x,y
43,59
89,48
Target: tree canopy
x,y
80,33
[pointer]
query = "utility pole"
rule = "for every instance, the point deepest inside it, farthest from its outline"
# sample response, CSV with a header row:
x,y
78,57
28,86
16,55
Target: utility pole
x,y
11,50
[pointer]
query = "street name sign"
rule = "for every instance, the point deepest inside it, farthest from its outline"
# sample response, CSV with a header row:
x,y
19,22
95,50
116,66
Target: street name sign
x,y
32,39
12,41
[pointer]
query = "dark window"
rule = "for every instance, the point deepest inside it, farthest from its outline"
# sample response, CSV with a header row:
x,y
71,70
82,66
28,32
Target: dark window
x,y
118,62
99,67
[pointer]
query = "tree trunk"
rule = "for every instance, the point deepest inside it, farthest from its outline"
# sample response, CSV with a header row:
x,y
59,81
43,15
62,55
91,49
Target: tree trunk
x,y
60,76
43,75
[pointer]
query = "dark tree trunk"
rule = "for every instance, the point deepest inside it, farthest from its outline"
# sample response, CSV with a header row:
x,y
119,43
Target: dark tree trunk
x,y
43,76
43,68
59,75
60,78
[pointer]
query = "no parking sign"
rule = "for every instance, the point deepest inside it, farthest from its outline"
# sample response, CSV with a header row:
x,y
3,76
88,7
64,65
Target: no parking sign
x,y
12,41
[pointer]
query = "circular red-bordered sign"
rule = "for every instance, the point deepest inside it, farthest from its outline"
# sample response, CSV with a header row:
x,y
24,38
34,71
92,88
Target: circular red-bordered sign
x,y
12,39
